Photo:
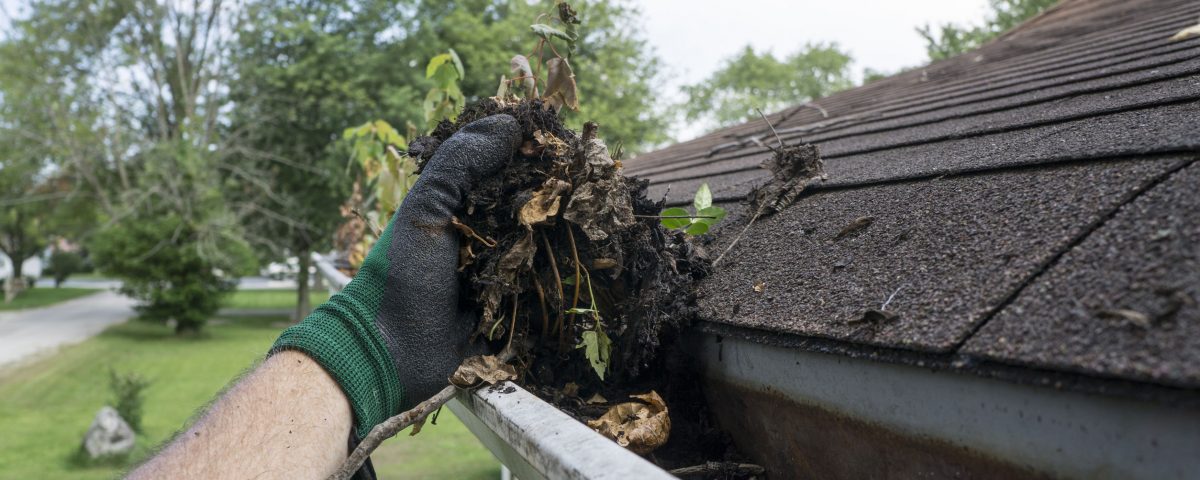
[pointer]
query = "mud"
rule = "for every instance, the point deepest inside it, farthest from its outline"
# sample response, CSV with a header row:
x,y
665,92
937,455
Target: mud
x,y
558,217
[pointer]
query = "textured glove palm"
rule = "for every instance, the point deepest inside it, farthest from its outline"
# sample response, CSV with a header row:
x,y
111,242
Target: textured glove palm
x,y
397,331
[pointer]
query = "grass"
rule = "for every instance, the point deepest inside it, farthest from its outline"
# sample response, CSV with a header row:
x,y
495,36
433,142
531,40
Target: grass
x,y
46,406
44,296
271,299
88,276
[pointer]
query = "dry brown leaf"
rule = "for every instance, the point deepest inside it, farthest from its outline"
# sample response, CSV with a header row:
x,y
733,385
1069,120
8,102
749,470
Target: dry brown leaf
x,y
1132,316
1192,31
855,226
604,263
596,399
481,369
548,141
640,427
571,389
560,85
759,287
520,66
544,204
602,206
514,262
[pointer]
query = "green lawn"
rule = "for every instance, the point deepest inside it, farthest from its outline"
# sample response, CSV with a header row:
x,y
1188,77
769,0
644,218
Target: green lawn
x,y
43,296
45,407
272,298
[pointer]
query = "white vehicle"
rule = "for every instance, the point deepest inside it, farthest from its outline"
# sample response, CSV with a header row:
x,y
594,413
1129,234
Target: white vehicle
x,y
31,268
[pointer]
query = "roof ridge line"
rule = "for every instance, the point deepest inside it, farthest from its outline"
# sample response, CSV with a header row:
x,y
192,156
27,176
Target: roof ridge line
x,y
960,136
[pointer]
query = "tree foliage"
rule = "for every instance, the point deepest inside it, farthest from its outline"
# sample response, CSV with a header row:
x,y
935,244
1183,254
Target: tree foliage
x,y
751,80
618,75
186,132
947,40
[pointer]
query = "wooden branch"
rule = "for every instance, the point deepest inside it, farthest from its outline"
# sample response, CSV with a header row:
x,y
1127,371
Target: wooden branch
x,y
390,427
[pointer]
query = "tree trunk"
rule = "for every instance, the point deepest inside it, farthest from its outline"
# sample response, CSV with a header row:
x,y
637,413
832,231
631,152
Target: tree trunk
x,y
302,304
14,285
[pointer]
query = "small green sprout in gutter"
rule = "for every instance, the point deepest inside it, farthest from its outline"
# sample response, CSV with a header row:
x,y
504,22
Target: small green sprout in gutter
x,y
698,223
596,345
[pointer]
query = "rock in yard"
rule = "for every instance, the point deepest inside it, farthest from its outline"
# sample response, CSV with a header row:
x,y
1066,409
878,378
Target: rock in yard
x,y
109,435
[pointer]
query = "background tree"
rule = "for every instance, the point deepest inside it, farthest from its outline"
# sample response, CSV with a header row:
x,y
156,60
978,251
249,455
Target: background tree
x,y
947,40
616,70
128,99
752,80
306,71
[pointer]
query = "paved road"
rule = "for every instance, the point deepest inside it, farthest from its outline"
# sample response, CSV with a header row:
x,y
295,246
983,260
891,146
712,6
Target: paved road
x,y
248,283
24,333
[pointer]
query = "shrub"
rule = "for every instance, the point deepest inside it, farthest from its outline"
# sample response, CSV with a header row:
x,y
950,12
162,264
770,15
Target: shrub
x,y
178,272
128,396
62,265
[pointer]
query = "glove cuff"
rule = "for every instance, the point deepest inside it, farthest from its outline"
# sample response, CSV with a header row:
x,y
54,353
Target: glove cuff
x,y
342,337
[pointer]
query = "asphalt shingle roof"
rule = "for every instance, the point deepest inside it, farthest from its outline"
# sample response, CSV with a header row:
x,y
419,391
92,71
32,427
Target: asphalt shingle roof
x,y
1017,194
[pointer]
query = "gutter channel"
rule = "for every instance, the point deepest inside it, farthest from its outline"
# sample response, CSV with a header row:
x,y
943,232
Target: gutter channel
x,y
531,438
947,424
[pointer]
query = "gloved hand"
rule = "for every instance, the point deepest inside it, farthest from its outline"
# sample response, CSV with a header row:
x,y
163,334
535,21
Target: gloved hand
x,y
394,335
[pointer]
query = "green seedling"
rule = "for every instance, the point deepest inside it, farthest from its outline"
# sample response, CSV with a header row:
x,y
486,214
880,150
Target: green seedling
x,y
697,223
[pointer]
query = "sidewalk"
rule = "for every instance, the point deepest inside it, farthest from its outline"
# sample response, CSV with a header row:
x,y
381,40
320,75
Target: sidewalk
x,y
24,333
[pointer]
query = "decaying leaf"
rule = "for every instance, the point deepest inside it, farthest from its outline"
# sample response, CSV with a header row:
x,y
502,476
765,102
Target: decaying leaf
x,y
604,264
482,369
793,168
876,316
571,389
596,399
548,141
639,426
513,263
855,226
502,89
561,89
1189,32
759,287
602,206
544,204
520,66
1135,317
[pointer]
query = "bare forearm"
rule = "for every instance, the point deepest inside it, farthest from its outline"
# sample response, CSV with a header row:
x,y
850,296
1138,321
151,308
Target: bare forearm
x,y
287,419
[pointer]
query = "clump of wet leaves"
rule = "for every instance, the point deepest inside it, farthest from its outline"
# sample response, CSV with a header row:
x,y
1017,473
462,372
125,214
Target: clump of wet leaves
x,y
567,261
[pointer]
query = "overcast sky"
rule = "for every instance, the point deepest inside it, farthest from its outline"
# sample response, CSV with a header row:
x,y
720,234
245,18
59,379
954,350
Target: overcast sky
x,y
694,36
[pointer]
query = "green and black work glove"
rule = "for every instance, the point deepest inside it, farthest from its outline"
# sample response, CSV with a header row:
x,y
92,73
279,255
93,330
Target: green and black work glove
x,y
394,335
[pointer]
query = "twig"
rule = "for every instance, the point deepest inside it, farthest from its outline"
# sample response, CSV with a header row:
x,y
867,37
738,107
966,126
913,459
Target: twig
x,y
512,328
674,216
470,232
575,300
883,308
758,213
717,468
390,427
557,281
738,238
370,224
764,117
542,301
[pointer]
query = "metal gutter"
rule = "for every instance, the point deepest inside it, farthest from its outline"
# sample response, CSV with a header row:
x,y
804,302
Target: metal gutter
x,y
946,423
532,438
